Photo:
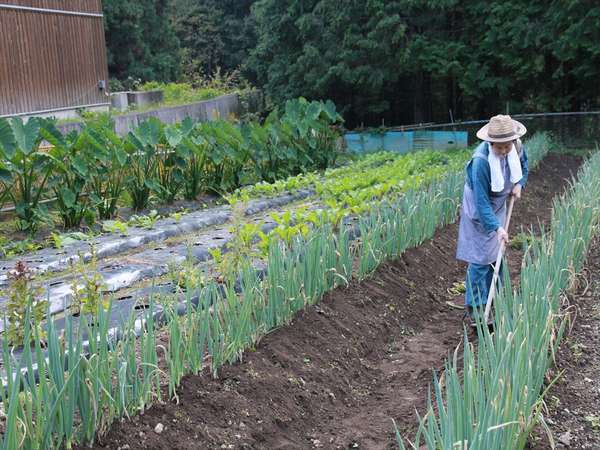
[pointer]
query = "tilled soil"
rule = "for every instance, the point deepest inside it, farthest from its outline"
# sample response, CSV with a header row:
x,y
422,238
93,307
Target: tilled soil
x,y
338,374
573,402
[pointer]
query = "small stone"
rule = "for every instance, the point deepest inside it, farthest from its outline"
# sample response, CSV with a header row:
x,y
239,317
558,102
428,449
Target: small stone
x,y
242,425
588,380
159,428
565,438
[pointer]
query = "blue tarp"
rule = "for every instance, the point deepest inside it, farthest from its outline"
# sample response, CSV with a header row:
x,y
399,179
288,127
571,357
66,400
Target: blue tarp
x,y
405,141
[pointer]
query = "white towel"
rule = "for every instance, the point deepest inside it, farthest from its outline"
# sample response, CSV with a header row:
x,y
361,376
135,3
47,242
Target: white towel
x,y
514,163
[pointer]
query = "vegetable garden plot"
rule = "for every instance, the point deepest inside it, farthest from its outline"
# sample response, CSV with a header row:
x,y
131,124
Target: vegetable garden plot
x,y
134,237
335,376
340,194
315,282
124,274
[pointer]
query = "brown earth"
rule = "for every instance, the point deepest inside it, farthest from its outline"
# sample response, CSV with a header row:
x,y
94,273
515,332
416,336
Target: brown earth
x,y
573,402
338,374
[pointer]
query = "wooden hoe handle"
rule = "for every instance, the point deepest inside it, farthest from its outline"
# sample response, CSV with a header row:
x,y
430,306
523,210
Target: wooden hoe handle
x,y
492,293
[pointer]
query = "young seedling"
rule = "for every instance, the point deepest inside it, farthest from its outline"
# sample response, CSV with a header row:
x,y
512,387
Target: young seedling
x,y
88,288
23,305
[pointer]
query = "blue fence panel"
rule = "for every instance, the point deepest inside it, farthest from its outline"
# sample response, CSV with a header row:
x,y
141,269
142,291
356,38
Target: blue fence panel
x,y
354,142
444,140
398,141
405,141
372,142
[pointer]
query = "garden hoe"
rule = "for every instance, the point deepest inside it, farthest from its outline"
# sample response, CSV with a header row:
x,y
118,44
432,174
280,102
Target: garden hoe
x,y
488,306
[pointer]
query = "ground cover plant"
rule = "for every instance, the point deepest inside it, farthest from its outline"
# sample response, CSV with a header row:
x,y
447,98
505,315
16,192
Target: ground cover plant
x,y
181,93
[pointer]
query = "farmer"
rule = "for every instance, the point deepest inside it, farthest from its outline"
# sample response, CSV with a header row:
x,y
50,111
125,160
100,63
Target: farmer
x,y
498,168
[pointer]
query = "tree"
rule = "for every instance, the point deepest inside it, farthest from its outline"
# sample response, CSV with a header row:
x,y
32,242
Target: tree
x,y
141,42
214,34
405,61
347,51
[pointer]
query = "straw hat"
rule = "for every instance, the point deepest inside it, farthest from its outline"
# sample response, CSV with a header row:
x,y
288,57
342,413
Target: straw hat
x,y
501,128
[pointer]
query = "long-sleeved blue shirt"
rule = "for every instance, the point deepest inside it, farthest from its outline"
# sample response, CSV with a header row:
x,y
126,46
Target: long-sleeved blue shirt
x,y
479,179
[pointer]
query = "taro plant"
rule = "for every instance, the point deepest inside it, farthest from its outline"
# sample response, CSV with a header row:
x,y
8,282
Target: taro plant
x,y
310,127
23,309
194,150
72,164
172,161
226,155
142,145
272,158
109,167
26,170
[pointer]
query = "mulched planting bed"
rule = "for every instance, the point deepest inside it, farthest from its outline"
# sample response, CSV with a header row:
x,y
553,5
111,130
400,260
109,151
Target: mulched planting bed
x,y
338,374
574,400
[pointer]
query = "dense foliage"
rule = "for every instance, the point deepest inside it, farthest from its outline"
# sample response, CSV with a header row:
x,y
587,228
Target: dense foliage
x,y
141,42
401,61
409,61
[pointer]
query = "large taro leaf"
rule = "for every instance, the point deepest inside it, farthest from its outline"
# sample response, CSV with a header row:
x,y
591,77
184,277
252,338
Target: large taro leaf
x,y
68,197
53,135
80,164
148,133
186,126
27,135
7,139
331,112
313,111
173,135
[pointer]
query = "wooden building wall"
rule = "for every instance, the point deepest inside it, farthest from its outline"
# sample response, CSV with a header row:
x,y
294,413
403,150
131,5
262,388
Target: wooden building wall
x,y
51,56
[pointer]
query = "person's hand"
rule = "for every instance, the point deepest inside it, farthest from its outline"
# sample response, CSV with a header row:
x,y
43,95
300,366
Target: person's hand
x,y
502,235
516,191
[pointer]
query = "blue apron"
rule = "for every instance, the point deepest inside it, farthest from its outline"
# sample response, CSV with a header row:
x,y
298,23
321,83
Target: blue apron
x,y
475,244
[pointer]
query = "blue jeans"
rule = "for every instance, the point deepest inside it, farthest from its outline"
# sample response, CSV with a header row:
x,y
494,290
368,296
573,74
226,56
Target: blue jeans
x,y
479,280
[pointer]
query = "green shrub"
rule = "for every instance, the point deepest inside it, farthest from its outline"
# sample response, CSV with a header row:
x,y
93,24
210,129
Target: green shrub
x,y
180,93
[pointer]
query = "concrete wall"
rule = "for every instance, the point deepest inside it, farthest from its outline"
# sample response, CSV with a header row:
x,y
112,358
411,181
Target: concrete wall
x,y
222,107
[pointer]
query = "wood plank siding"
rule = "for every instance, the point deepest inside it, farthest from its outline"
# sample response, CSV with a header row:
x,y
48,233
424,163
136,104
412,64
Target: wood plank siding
x,y
51,56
